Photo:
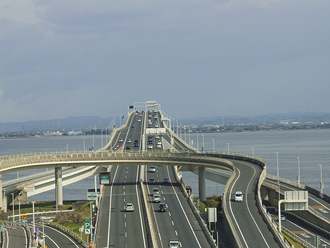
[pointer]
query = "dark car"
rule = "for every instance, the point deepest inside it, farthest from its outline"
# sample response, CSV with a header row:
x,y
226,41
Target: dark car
x,y
166,180
162,207
136,141
136,144
151,180
133,126
128,147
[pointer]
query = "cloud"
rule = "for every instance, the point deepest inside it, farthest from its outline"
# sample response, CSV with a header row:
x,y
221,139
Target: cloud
x,y
217,57
21,11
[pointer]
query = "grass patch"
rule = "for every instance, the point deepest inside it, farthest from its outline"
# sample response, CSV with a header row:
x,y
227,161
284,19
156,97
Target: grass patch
x,y
292,241
84,211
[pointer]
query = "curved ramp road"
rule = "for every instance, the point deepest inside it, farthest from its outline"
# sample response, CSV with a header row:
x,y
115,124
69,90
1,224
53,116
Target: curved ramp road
x,y
14,237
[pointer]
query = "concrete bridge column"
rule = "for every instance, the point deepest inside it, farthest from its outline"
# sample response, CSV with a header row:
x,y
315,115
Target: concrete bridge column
x,y
58,186
201,184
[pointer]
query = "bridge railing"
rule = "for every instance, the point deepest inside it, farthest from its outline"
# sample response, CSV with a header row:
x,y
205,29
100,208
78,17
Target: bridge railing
x,y
67,159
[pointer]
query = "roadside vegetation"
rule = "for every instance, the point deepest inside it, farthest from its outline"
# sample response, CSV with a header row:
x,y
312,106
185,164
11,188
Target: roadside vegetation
x,y
211,202
70,220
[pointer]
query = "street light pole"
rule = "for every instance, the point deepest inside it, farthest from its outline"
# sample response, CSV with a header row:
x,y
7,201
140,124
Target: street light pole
x,y
84,145
197,140
228,147
278,178
19,207
189,135
12,194
203,142
321,184
298,177
34,225
213,145
67,148
252,151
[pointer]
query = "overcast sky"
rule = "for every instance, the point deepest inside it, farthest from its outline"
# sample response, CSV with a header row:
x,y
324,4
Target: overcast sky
x,y
196,58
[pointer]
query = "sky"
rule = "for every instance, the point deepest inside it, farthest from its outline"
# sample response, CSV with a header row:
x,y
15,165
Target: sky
x,y
196,58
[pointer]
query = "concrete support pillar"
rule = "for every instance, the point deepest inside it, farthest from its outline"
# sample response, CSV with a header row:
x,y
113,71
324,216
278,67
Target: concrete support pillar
x,y
58,186
201,184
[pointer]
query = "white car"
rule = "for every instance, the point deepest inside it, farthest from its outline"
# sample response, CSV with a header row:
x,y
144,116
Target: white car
x,y
156,198
128,141
139,119
129,207
155,191
152,169
150,146
238,196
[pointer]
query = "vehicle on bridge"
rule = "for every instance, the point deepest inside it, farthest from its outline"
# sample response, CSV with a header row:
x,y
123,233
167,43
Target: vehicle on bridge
x,y
173,243
156,198
129,207
238,196
162,207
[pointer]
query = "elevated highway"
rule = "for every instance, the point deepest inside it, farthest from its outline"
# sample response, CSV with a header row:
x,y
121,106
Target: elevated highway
x,y
246,221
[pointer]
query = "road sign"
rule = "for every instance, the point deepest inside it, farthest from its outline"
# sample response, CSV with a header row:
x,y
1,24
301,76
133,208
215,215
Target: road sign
x,y
87,226
37,233
0,228
23,216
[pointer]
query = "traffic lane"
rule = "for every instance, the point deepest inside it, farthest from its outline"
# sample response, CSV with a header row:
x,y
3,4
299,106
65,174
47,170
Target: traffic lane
x,y
252,228
55,238
14,237
163,221
190,233
125,226
198,232
103,218
180,222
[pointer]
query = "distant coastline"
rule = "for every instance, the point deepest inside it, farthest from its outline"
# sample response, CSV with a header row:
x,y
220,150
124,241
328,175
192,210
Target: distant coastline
x,y
179,130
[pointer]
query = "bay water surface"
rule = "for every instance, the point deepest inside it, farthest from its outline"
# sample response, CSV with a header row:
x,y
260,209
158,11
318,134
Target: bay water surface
x,y
311,146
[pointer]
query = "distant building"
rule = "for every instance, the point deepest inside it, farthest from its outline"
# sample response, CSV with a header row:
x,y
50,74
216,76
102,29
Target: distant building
x,y
50,133
75,133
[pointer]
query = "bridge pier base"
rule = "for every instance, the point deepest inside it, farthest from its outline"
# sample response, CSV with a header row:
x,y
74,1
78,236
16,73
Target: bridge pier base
x,y
58,187
201,184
